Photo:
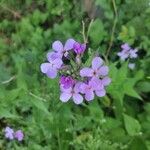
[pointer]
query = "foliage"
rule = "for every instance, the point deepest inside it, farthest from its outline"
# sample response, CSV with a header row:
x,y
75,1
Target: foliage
x,y
29,101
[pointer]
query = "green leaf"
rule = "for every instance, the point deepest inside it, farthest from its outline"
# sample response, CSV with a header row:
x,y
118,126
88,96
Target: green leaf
x,y
97,32
138,144
6,114
40,105
132,125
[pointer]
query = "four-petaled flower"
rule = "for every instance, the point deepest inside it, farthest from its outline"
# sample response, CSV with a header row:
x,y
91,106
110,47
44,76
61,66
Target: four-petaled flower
x,y
127,52
97,70
9,133
19,135
72,92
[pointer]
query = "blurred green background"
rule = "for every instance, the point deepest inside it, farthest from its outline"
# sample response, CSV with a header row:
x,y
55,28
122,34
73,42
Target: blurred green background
x,y
30,101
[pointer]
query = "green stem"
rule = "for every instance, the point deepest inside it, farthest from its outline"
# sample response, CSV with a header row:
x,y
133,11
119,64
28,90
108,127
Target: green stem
x,y
113,29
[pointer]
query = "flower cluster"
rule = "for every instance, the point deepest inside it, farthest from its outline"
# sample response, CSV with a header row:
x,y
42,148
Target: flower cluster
x,y
10,134
128,52
76,81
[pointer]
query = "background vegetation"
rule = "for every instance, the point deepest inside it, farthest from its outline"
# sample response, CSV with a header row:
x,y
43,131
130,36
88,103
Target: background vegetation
x,y
30,101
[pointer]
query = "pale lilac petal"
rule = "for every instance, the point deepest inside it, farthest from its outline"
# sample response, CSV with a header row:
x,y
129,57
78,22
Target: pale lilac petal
x,y
64,97
125,47
89,95
100,93
77,87
86,72
52,55
133,53
106,81
45,66
69,44
57,63
97,62
65,90
51,73
103,71
83,88
57,46
124,56
77,98
95,83
119,54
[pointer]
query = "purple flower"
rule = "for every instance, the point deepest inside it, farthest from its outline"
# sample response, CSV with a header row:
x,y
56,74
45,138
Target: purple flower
x,y
131,66
9,133
51,68
99,86
127,52
97,69
66,81
94,86
79,48
19,135
61,50
72,92
88,90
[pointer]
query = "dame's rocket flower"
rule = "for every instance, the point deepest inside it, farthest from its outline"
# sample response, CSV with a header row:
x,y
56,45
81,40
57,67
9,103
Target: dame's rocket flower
x,y
72,92
88,90
9,133
97,69
76,83
127,52
19,135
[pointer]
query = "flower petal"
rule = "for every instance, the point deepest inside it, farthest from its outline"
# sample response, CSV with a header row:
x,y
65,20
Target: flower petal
x,y
77,98
52,56
97,62
44,67
86,72
64,97
52,73
57,63
57,46
103,71
106,81
82,88
89,95
125,46
77,87
100,93
69,44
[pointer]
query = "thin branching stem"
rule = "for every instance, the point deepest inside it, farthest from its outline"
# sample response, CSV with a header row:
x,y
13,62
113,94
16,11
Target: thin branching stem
x,y
113,29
